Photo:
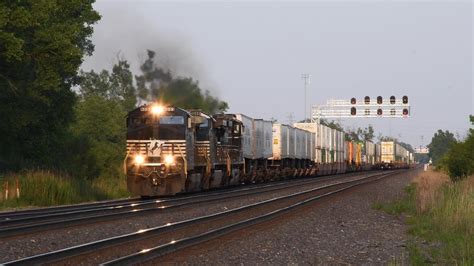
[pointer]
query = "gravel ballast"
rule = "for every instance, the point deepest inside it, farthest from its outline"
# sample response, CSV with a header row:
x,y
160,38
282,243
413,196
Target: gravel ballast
x,y
343,229
28,245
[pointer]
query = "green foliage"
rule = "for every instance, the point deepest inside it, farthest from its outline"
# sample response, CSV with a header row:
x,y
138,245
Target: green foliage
x,y
116,86
352,136
397,207
440,144
448,225
156,84
366,134
99,129
459,160
42,43
44,188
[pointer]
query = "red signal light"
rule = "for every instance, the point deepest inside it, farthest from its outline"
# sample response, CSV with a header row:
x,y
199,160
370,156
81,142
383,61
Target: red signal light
x,y
353,111
405,112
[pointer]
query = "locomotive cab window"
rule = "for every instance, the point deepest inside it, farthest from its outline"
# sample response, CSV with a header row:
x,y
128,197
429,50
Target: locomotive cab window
x,y
237,129
202,131
172,120
171,127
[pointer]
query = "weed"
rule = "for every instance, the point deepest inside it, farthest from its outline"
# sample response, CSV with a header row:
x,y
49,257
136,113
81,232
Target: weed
x,y
440,212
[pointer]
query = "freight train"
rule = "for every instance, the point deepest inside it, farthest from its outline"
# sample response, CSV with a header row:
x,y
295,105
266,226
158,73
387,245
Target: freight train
x,y
172,150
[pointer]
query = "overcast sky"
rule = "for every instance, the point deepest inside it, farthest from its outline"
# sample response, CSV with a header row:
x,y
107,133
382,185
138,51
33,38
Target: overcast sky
x,y
252,54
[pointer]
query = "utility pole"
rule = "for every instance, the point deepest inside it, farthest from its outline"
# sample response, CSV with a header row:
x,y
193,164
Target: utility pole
x,y
306,77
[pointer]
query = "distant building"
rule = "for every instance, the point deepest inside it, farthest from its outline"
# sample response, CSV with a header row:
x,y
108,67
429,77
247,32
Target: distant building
x,y
422,150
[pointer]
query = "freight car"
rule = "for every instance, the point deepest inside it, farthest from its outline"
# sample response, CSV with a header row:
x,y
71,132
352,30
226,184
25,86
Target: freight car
x,y
394,155
171,150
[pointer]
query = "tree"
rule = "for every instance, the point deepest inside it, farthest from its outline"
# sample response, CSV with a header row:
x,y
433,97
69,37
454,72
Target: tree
x,y
352,135
440,144
333,124
99,129
42,43
367,134
116,86
157,84
459,160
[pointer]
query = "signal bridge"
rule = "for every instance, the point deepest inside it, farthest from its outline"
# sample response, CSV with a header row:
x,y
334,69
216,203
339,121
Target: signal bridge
x,y
362,108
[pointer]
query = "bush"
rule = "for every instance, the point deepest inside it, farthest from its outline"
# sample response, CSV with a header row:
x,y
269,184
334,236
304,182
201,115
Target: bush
x,y
45,188
459,161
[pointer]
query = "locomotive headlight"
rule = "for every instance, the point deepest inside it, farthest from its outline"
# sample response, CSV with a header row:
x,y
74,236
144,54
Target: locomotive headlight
x,y
169,160
139,159
157,109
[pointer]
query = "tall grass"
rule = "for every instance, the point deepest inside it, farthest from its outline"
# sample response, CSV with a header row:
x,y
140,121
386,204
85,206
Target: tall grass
x,y
441,212
445,214
45,188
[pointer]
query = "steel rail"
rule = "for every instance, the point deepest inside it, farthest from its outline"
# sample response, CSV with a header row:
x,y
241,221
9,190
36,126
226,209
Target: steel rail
x,y
170,227
54,209
6,217
176,245
23,227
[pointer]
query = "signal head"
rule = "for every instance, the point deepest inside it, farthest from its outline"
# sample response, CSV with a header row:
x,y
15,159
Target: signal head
x,y
405,99
405,112
367,100
392,99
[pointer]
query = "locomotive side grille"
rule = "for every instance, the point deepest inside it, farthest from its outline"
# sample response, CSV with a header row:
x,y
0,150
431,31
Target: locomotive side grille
x,y
202,151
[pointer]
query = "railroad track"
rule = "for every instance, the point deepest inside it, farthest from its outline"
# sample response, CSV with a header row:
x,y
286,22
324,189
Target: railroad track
x,y
37,222
8,215
151,243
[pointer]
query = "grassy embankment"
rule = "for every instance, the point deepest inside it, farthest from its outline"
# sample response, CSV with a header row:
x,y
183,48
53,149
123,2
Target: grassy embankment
x,y
44,188
441,219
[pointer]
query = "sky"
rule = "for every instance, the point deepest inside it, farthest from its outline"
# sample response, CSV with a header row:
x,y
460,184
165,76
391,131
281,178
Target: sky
x,y
252,55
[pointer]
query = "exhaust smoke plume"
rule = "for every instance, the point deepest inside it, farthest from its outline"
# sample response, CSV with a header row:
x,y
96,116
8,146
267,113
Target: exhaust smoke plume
x,y
123,32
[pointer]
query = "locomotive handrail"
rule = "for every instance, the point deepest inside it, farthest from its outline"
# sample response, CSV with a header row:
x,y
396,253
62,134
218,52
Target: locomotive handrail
x,y
184,160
